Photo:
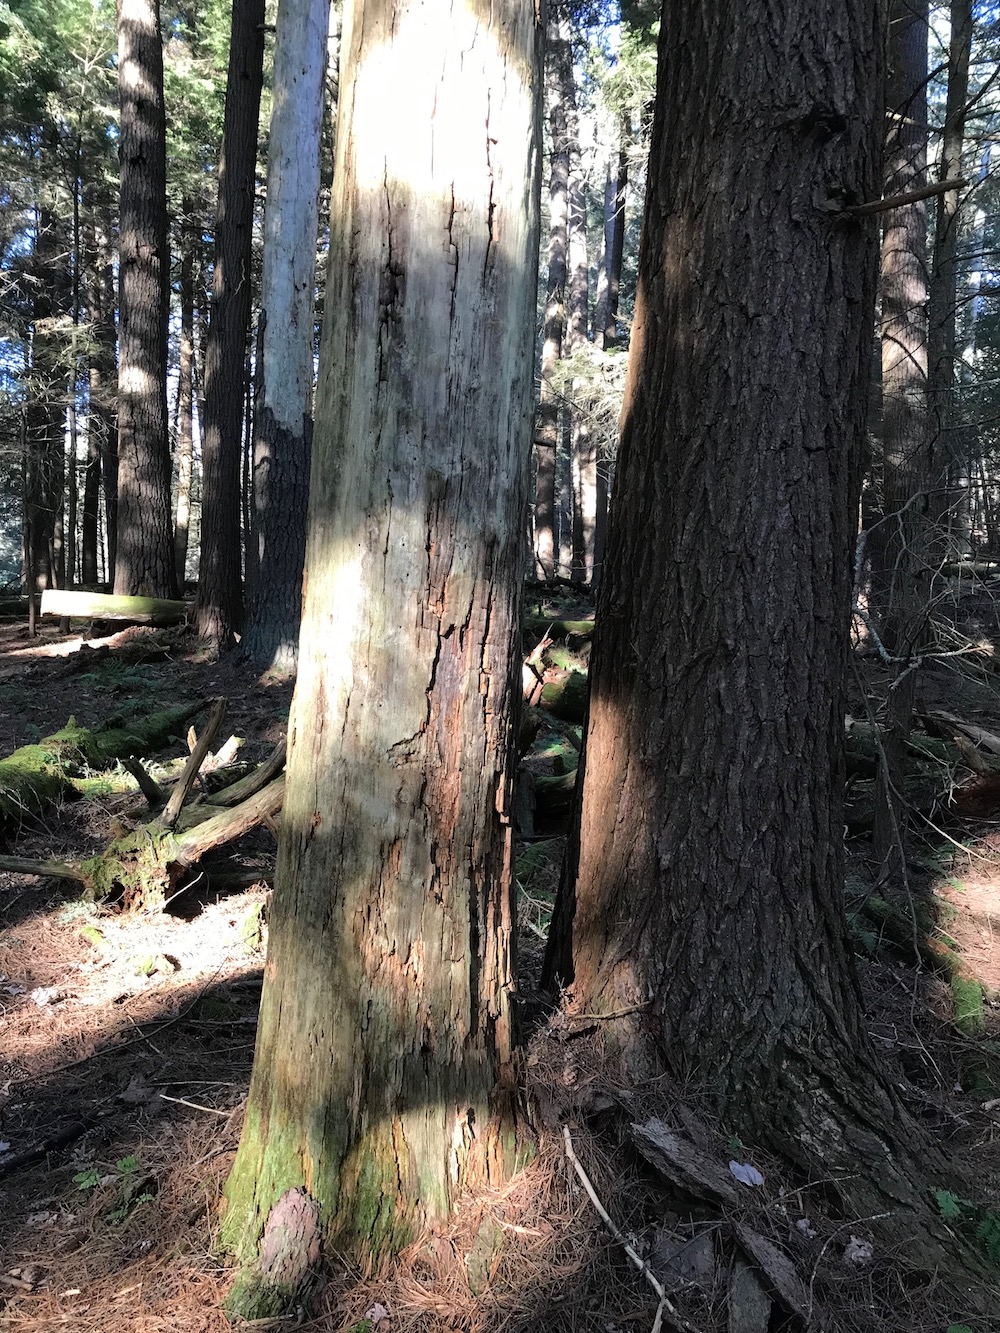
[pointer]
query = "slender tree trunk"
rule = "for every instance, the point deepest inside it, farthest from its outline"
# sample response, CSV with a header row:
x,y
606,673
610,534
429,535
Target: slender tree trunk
x,y
606,320
583,456
618,242
219,608
383,1058
948,498
283,430
709,923
102,422
144,563
608,234
185,402
554,322
46,405
905,425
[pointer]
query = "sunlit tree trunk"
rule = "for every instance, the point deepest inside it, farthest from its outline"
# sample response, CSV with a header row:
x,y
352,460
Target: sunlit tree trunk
x,y
219,607
285,363
554,321
185,401
383,1060
144,562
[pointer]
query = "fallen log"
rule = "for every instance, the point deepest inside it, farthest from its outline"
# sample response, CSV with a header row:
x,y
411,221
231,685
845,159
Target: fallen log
x,y
53,768
565,698
146,866
538,626
83,605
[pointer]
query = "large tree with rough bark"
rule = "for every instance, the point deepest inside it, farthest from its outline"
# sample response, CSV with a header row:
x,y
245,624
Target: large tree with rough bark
x,y
219,605
383,1056
144,561
707,919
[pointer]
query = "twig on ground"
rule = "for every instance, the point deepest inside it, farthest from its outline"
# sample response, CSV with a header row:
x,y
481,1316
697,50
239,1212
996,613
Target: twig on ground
x,y
665,1306
195,1106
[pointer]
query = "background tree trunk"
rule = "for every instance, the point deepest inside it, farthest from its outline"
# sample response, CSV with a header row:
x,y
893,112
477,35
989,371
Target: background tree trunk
x,y
554,322
902,585
285,362
385,1024
709,861
185,401
144,563
219,606
949,502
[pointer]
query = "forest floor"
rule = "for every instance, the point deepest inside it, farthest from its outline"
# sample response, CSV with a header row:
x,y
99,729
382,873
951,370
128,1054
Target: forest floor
x,y
126,1043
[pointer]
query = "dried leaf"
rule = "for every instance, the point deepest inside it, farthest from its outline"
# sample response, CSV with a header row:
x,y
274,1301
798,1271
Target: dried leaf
x,y
746,1174
859,1252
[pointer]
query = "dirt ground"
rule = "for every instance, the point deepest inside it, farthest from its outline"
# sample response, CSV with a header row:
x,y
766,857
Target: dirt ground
x,y
126,1043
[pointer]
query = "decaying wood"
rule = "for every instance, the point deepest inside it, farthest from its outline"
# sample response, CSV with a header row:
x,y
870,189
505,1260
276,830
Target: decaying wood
x,y
253,782
781,1276
941,723
104,606
198,756
145,865
559,629
684,1165
147,784
69,1133
20,865
228,825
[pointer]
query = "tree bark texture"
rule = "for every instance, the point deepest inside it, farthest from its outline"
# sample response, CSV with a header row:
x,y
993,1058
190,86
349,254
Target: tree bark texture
x,y
384,1044
901,583
282,437
219,607
144,563
554,321
709,861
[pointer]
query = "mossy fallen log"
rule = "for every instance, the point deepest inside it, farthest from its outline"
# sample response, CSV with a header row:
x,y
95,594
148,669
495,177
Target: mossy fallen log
x,y
565,698
84,605
862,747
537,626
146,865
55,767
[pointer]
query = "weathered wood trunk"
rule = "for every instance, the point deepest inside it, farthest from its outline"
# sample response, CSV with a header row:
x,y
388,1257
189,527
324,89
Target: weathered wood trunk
x,y
103,606
709,918
384,1048
283,417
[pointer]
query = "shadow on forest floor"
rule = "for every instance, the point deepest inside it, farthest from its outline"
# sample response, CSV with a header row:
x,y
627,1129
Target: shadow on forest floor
x,y
134,1035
